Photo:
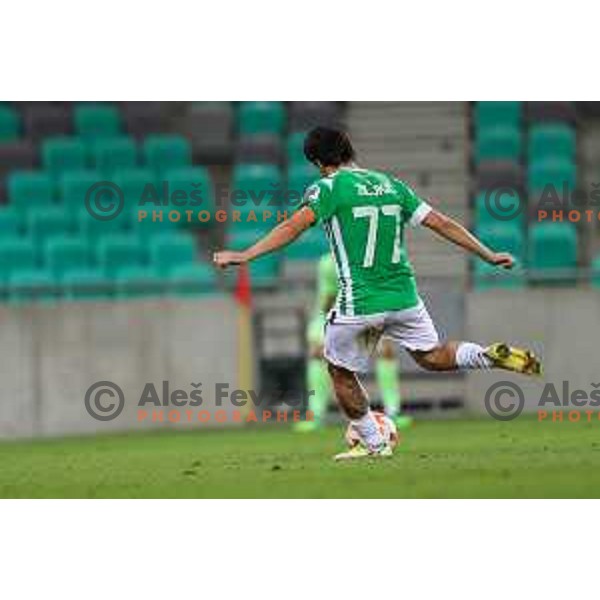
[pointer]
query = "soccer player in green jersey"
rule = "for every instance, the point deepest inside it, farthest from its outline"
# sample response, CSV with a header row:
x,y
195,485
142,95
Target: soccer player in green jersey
x,y
317,377
364,214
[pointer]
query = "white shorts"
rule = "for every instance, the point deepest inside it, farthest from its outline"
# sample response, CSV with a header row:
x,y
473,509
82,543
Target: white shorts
x,y
351,342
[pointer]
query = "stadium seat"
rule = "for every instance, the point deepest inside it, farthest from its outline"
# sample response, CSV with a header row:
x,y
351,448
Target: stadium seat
x,y
30,189
9,124
31,285
43,120
552,141
295,149
193,279
74,188
498,143
264,272
164,152
299,177
140,188
488,277
111,155
47,223
261,117
498,114
116,251
86,284
551,172
97,121
310,246
61,155
553,251
505,237
64,255
509,202
15,156
195,188
139,281
170,252
16,254
94,229
9,222
258,149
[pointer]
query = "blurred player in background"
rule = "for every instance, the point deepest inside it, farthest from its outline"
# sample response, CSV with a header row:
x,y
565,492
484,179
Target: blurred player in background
x,y
317,375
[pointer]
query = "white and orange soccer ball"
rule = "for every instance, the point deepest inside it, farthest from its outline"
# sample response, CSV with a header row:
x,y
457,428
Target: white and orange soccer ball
x,y
387,427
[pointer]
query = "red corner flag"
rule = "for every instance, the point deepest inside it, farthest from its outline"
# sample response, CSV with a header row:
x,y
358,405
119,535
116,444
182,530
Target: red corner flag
x,y
243,287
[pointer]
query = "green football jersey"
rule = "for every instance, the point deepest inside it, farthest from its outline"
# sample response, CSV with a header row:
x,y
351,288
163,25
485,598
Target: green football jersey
x,y
364,214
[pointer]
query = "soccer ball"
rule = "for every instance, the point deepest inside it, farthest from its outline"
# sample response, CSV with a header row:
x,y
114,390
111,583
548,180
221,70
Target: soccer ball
x,y
387,429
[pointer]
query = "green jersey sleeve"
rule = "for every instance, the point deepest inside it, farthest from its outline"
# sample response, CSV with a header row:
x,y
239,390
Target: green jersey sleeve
x,y
414,209
319,198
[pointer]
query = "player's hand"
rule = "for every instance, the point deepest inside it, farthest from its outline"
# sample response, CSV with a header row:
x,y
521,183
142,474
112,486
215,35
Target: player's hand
x,y
503,260
226,259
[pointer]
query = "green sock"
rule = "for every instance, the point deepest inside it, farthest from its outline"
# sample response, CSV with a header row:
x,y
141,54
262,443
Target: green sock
x,y
388,380
318,382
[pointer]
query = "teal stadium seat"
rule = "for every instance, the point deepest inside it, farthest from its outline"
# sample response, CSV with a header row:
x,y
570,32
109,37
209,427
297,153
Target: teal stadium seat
x,y
86,284
555,172
139,281
595,267
170,252
309,247
29,189
16,254
505,237
552,141
553,251
45,224
117,251
9,222
63,154
192,185
261,117
112,155
498,114
31,285
295,149
255,189
484,217
93,229
499,143
141,189
64,255
193,279
164,152
10,124
97,121
264,272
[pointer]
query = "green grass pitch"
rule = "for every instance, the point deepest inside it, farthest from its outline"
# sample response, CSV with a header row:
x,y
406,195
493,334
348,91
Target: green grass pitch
x,y
449,459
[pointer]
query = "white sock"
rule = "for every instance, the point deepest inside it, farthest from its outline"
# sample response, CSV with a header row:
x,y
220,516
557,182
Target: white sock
x,y
470,356
369,431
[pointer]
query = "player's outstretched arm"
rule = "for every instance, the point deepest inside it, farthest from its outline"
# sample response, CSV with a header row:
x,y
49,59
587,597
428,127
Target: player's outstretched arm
x,y
279,237
454,232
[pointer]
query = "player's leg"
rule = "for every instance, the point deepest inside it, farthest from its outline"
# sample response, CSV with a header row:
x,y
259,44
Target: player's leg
x,y
349,347
387,373
317,377
414,329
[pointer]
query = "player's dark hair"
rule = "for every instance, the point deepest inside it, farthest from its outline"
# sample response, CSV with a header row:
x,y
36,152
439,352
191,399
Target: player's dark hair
x,y
328,147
